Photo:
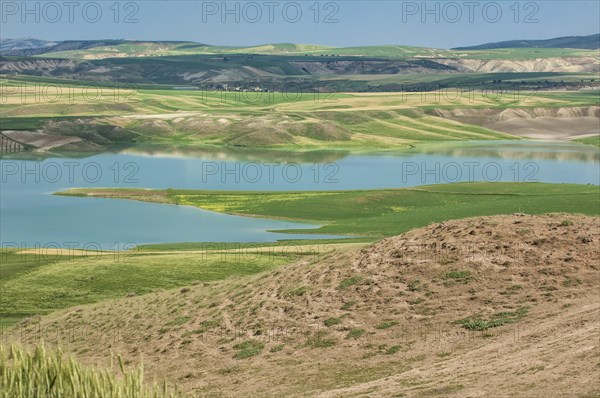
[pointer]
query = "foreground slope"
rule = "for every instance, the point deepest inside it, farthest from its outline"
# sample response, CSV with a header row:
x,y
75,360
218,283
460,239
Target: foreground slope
x,y
494,306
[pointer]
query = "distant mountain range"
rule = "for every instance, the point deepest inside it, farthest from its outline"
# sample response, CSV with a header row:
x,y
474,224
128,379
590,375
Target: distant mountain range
x,y
591,42
27,47
260,67
24,44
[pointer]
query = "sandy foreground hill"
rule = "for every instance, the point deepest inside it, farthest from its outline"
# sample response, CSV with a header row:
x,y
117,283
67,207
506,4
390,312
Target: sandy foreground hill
x,y
504,306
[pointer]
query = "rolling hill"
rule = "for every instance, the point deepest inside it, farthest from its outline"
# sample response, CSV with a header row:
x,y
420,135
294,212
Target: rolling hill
x,y
591,42
309,66
16,45
402,317
118,48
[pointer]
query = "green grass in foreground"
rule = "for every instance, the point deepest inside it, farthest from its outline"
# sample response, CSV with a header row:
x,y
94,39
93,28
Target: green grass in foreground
x,y
48,374
62,281
385,212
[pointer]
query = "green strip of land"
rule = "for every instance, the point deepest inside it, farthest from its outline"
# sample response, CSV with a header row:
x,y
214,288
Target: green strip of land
x,y
377,213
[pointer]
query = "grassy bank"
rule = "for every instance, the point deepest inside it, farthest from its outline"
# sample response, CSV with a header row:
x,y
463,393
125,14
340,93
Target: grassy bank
x,y
378,213
595,140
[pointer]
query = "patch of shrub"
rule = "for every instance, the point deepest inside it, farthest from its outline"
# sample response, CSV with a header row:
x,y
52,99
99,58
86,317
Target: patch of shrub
x,y
346,283
386,325
498,319
248,348
355,334
457,276
332,321
414,286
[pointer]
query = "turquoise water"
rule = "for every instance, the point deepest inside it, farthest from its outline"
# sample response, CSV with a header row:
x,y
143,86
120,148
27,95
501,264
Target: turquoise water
x,y
32,216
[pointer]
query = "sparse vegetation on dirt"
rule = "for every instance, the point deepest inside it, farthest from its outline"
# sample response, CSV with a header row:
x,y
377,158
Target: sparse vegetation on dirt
x,y
248,348
457,276
500,318
332,321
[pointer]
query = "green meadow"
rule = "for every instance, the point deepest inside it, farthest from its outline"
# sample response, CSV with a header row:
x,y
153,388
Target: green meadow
x,y
380,213
67,279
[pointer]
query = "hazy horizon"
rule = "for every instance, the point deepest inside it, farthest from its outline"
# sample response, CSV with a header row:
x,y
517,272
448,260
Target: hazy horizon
x,y
271,43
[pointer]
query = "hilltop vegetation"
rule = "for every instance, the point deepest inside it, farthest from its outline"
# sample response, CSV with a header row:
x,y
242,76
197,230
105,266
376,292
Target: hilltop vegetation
x,y
96,49
351,68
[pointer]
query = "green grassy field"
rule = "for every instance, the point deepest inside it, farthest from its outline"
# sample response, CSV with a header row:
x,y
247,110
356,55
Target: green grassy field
x,y
380,213
63,280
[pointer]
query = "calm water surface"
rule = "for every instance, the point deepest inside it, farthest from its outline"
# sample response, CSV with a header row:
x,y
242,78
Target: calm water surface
x,y
32,216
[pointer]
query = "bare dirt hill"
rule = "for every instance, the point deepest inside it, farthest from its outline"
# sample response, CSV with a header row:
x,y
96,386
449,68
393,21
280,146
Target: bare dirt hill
x,y
488,307
539,123
559,64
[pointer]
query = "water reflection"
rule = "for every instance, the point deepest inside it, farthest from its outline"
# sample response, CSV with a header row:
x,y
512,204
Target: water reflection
x,y
513,150
508,150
